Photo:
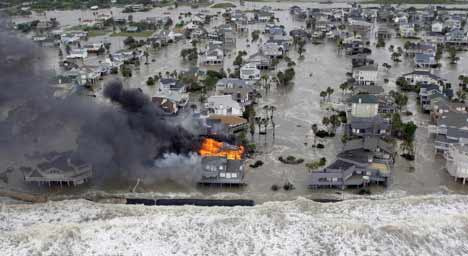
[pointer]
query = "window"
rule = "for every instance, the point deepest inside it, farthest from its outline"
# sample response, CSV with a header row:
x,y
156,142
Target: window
x,y
222,175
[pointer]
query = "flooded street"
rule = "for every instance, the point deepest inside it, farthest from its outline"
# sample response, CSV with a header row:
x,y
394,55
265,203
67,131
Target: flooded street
x,y
298,107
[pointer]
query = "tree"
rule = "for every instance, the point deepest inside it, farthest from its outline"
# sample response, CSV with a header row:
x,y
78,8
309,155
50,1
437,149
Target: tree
x,y
272,111
396,123
323,94
335,122
126,71
461,95
286,77
329,92
339,45
439,53
129,41
264,78
258,121
400,50
265,122
407,147
453,55
300,49
255,35
326,121
252,129
395,57
386,66
146,54
409,130
150,81
67,49
380,43
344,87
399,98
190,54
315,130
238,60
407,45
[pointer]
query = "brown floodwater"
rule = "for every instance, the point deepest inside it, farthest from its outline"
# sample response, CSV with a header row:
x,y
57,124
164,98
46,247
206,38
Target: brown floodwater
x,y
298,107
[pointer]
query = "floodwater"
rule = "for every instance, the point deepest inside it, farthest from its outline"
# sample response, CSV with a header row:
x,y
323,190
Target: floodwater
x,y
298,107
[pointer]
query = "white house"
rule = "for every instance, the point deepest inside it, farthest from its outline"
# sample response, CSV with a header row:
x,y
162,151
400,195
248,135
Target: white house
x,y
250,72
273,50
223,105
422,77
366,75
364,106
213,56
78,54
437,27
171,85
407,30
457,161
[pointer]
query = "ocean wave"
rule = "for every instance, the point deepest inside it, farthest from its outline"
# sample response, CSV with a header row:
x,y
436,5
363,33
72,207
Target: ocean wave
x,y
412,225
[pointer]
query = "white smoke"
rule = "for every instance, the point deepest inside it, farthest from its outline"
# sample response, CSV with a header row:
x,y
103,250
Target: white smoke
x,y
178,160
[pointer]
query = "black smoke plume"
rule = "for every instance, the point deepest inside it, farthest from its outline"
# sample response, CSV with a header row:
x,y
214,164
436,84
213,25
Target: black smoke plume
x,y
119,137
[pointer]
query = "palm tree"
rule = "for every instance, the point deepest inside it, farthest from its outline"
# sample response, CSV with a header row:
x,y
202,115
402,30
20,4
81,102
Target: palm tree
x,y
193,107
461,95
344,87
272,111
146,56
266,108
258,121
265,122
264,78
335,122
315,130
326,121
323,94
329,92
252,129
273,125
407,147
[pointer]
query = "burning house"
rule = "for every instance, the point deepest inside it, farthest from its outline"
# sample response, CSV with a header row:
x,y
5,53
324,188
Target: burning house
x,y
222,163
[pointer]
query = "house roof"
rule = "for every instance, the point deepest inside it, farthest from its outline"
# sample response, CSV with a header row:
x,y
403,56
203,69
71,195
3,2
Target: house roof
x,y
454,119
424,73
340,165
368,89
364,99
369,67
358,155
369,143
166,104
235,82
228,120
368,122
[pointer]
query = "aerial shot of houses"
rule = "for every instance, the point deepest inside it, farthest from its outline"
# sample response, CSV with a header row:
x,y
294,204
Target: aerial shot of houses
x,y
346,96
280,105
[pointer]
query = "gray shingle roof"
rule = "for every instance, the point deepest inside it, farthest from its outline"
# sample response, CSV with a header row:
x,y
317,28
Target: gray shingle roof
x,y
364,98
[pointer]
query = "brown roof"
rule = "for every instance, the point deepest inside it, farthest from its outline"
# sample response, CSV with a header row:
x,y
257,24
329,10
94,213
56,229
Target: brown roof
x,y
165,104
229,120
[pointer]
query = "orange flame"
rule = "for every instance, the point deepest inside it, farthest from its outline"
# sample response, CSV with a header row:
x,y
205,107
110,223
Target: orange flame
x,y
211,147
